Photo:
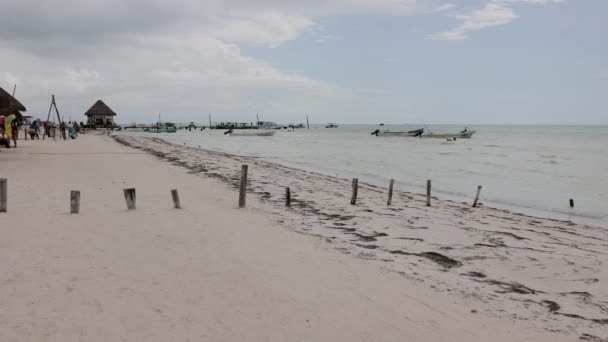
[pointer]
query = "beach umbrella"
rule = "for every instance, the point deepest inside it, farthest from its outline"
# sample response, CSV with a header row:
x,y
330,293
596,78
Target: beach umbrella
x,y
9,105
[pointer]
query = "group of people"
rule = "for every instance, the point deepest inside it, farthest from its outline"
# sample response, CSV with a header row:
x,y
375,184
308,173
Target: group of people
x,y
10,127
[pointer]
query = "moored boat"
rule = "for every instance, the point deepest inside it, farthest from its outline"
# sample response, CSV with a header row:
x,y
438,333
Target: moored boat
x,y
387,133
466,134
331,125
161,130
249,133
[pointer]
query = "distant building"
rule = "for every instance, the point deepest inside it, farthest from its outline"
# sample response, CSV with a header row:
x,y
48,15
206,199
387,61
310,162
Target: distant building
x,y
100,115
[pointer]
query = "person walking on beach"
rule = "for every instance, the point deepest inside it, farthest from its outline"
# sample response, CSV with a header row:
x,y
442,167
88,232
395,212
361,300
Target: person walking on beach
x,y
62,130
14,128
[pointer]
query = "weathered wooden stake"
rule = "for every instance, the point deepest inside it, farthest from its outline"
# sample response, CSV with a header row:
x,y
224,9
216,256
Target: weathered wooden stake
x,y
571,203
3,195
175,196
74,202
477,197
353,199
428,193
390,192
287,197
243,190
130,198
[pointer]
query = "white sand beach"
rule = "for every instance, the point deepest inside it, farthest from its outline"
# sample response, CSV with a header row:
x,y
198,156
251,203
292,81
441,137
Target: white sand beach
x,y
213,272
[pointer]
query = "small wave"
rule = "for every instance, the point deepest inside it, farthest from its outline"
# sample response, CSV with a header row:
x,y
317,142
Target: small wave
x,y
551,162
491,145
547,156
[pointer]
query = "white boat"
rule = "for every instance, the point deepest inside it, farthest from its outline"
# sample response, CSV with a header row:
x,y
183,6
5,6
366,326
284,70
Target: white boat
x,y
331,125
387,133
249,133
466,134
268,125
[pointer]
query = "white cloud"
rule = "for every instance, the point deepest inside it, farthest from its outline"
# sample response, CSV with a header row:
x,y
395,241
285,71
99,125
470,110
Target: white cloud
x,y
444,7
142,56
494,13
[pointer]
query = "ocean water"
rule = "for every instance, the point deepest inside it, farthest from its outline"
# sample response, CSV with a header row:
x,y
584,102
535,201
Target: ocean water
x,y
530,169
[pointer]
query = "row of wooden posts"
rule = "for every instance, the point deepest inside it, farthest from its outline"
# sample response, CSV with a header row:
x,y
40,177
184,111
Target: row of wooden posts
x,y
130,195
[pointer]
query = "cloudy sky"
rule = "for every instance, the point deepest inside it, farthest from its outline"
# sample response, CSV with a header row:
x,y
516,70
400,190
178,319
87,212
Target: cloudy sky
x,y
350,61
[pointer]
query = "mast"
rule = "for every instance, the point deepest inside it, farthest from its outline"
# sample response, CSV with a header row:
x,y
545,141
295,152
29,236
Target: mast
x,y
307,125
209,120
258,117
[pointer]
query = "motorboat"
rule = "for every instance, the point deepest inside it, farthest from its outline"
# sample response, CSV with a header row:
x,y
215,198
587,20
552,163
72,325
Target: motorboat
x,y
387,133
249,133
465,134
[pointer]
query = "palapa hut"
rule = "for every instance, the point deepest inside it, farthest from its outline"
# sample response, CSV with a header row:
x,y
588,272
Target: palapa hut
x,y
9,105
100,115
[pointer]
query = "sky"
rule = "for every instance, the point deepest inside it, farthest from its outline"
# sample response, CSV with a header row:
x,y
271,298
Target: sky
x,y
346,61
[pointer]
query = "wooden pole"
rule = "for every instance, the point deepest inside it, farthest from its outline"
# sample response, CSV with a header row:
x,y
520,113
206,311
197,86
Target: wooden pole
x,y
428,193
14,89
3,195
287,197
477,196
390,192
130,198
571,203
74,202
353,199
243,189
175,197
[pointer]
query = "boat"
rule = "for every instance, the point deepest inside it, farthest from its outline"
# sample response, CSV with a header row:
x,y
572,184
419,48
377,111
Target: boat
x,y
161,130
387,133
249,133
268,125
331,125
166,127
465,134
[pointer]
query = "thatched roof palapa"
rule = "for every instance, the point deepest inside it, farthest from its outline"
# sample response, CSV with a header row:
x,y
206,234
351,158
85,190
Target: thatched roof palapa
x,y
9,105
99,108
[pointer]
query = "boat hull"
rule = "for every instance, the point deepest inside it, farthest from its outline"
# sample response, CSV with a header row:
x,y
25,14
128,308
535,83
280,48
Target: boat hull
x,y
466,135
414,133
168,130
252,134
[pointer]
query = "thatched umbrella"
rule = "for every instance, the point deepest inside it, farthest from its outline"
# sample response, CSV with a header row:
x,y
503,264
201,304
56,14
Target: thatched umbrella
x,y
9,105
100,108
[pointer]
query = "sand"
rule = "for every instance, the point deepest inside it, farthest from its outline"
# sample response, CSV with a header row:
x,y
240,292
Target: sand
x,y
213,272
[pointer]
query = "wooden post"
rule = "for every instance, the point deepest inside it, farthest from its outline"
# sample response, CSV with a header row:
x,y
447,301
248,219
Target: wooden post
x,y
287,197
3,195
243,189
353,199
130,198
571,203
477,196
390,192
175,196
74,202
428,193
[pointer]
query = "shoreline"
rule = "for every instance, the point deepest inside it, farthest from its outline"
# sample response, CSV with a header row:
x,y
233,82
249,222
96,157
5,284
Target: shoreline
x,y
491,250
550,205
536,212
